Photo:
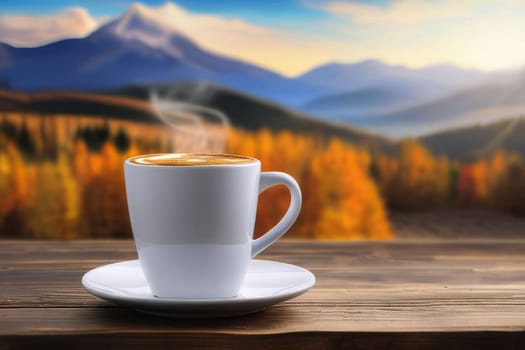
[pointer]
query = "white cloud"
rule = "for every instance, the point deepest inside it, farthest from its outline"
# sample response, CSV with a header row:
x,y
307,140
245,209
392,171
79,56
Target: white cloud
x,y
281,50
484,34
37,30
408,12
401,12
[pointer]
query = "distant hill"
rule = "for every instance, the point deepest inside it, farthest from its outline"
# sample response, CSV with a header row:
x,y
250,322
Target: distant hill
x,y
367,102
470,143
481,104
77,103
438,79
132,103
371,89
351,76
250,112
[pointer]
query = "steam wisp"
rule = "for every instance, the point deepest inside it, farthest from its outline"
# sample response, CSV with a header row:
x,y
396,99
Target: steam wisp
x,y
197,129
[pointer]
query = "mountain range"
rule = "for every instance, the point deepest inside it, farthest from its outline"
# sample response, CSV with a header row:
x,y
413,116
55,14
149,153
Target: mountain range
x,y
372,86
485,103
250,113
137,48
344,76
398,101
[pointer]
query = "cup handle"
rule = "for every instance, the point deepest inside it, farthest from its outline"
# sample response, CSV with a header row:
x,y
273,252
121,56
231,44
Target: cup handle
x,y
269,179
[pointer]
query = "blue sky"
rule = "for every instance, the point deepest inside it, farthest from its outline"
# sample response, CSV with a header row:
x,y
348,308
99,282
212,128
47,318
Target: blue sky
x,y
258,11
291,36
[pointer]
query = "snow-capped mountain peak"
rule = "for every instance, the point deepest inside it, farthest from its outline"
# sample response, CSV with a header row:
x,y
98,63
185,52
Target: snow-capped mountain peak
x,y
154,27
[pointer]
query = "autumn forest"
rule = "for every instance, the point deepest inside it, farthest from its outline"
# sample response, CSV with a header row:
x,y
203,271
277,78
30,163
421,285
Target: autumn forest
x,y
61,176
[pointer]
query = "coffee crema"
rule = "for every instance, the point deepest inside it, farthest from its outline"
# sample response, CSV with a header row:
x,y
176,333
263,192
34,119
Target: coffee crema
x,y
190,159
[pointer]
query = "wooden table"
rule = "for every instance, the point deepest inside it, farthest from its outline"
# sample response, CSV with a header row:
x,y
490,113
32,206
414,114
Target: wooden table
x,y
369,295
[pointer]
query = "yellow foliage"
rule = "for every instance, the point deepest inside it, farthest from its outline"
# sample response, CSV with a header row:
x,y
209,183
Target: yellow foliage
x,y
81,167
75,192
340,200
71,193
415,179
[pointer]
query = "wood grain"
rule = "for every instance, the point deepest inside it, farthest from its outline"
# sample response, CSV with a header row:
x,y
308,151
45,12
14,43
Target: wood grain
x,y
369,295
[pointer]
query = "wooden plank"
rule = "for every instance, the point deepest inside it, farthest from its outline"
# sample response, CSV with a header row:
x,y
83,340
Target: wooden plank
x,y
288,317
361,270
420,294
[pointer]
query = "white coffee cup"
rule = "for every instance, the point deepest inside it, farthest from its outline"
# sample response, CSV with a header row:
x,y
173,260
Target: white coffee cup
x,y
193,216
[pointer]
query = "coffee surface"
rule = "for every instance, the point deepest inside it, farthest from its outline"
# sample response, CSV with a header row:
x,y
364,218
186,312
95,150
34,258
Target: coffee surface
x,y
190,159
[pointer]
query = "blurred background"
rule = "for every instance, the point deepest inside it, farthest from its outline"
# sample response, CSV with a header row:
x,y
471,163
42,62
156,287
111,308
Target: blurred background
x,y
399,119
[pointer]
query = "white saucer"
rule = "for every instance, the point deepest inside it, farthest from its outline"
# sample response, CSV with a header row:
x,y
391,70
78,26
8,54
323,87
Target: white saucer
x,y
267,283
